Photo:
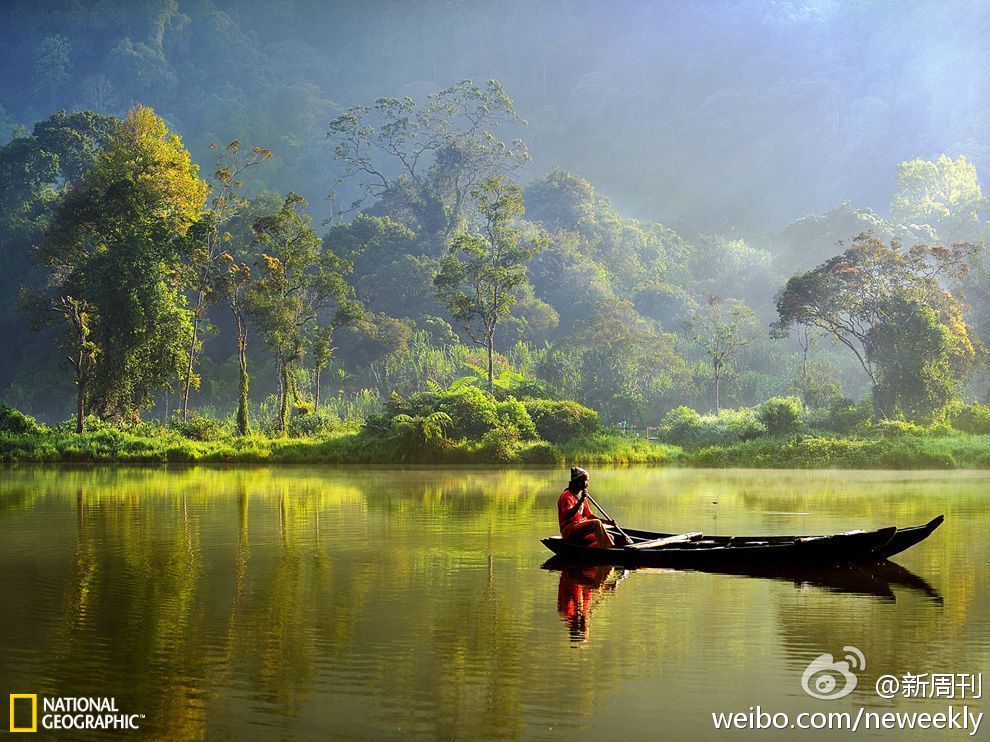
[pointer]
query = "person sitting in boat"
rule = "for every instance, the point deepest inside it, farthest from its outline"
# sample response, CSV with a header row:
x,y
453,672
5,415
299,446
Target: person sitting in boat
x,y
577,522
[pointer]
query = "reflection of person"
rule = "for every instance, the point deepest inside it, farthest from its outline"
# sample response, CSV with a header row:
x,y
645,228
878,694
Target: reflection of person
x,y
575,592
577,522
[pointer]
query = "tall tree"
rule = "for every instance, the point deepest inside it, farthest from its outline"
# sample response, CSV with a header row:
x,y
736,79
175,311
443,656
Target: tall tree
x,y
297,281
208,245
483,272
859,298
720,327
36,171
425,160
116,243
233,282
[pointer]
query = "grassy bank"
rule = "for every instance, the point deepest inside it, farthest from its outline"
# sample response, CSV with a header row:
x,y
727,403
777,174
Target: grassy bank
x,y
162,445
167,446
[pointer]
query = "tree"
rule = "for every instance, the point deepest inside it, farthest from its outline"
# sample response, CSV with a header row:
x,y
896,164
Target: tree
x,y
51,65
297,280
720,328
116,243
627,366
36,171
207,247
427,159
944,194
483,272
322,350
914,353
857,298
77,317
233,282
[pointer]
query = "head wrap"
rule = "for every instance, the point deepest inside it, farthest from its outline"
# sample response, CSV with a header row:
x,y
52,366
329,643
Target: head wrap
x,y
579,479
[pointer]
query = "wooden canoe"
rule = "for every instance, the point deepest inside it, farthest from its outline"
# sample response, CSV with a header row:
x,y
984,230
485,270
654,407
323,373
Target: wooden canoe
x,y
713,551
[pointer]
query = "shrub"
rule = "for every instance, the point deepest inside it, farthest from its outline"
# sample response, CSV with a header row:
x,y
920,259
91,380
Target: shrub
x,y
15,421
198,427
681,424
972,419
843,416
782,415
898,428
541,452
421,438
473,412
558,421
499,446
512,414
313,423
685,426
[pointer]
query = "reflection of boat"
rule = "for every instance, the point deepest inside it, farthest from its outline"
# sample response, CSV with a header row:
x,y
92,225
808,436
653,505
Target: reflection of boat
x,y
745,551
874,578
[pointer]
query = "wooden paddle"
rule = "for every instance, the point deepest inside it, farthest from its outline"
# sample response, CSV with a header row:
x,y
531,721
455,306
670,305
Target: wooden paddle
x,y
657,543
609,517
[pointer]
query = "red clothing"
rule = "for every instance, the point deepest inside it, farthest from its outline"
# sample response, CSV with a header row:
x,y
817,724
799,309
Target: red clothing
x,y
565,503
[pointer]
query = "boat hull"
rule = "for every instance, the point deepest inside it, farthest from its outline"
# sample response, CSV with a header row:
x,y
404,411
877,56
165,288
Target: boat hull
x,y
844,548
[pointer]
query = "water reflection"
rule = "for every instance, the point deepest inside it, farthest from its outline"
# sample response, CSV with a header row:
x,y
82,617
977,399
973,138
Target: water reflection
x,y
254,603
581,589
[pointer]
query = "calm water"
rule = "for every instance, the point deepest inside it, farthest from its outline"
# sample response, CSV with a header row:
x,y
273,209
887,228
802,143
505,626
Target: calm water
x,y
315,603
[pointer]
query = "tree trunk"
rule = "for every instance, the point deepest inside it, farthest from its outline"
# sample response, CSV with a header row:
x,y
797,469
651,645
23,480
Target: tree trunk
x,y
283,408
316,392
187,382
718,374
491,356
242,398
80,405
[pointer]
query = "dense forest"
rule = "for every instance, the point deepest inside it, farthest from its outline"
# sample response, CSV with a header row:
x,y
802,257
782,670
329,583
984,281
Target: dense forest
x,y
285,216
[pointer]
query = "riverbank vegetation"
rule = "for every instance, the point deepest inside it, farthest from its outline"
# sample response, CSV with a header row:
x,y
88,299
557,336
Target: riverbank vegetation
x,y
473,428
455,308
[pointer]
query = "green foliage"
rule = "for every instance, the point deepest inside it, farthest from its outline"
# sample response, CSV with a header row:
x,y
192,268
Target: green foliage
x,y
14,421
843,416
782,415
684,426
897,428
198,427
886,304
115,243
721,328
972,419
421,438
481,276
297,278
944,194
562,420
313,423
473,412
915,355
514,416
907,449
499,446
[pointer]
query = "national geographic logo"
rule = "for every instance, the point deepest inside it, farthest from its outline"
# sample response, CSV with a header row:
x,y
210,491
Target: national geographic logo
x,y
22,697
68,713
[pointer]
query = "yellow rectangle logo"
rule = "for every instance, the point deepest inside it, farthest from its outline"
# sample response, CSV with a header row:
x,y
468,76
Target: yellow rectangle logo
x,y
34,712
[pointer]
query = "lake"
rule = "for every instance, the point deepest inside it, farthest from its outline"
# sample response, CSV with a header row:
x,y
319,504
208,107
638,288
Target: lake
x,y
316,603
